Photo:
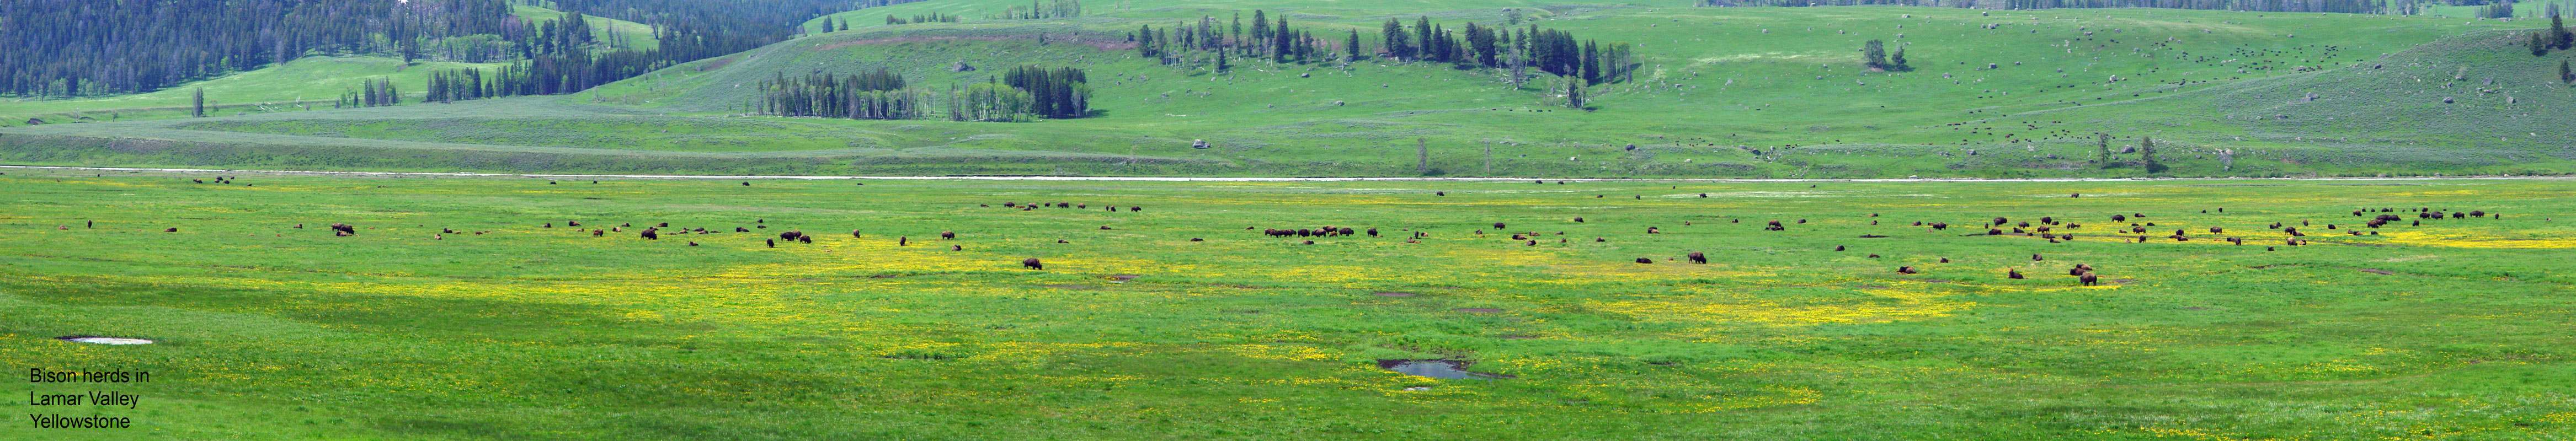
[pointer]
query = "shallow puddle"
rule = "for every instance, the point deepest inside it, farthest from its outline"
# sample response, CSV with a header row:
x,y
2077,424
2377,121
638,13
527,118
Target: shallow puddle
x,y
1443,369
104,340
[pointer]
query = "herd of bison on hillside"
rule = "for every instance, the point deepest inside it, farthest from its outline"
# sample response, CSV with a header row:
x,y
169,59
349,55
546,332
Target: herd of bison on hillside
x,y
2045,228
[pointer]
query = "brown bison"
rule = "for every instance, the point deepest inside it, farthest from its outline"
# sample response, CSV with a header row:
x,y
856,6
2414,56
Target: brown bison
x,y
2088,279
1905,270
2013,274
1033,263
1645,260
1696,257
948,235
649,234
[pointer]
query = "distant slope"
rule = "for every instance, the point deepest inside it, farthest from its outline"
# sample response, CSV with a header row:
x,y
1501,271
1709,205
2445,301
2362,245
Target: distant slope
x,y
312,80
2477,100
1734,92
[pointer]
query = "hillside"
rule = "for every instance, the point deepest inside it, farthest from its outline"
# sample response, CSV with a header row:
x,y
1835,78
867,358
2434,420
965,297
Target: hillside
x,y
1728,92
302,84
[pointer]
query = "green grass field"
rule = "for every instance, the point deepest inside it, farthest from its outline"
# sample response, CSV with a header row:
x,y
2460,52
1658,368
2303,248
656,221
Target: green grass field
x,y
522,326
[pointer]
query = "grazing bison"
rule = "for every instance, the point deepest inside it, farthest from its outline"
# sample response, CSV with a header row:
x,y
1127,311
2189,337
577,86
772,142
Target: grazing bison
x,y
1905,270
1578,219
2088,279
1498,225
649,234
1346,231
171,230
805,239
1033,263
1372,232
746,183
1653,230
1645,260
1696,257
1940,225
1838,248
693,243
1440,193
598,233
2014,274
2119,218
2217,230
948,235
2036,258
789,235
1998,221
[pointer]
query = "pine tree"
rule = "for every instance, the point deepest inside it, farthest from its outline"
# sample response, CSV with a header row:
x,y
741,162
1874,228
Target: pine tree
x,y
2565,75
1874,54
1425,47
2538,44
1260,26
2102,148
197,108
1393,33
1352,46
2147,151
1897,61
2558,30
1221,67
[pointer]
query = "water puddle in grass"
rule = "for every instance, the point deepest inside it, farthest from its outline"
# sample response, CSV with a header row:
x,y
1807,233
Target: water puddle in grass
x,y
104,340
1443,369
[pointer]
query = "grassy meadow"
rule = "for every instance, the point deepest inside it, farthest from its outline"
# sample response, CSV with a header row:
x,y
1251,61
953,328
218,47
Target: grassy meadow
x,y
1184,321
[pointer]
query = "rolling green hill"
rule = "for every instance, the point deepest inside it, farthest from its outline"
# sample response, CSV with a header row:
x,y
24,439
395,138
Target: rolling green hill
x,y
1720,92
298,85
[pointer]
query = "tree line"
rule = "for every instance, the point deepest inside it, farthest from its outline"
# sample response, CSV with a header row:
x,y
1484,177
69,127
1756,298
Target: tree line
x,y
1472,45
1019,94
87,47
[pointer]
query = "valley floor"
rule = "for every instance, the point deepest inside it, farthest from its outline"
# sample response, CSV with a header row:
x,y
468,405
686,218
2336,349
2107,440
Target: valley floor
x,y
476,308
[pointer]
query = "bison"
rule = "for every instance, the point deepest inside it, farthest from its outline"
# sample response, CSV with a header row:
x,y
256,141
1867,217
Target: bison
x,y
1033,263
1696,257
2088,279
2013,274
1645,260
1905,270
